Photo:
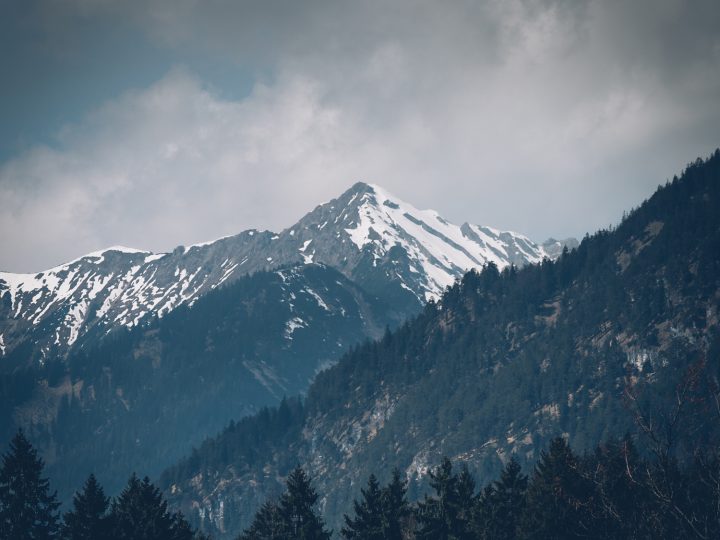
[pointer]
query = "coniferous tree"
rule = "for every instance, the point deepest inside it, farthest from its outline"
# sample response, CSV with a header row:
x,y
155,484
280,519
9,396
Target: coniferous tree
x,y
297,508
88,519
367,524
555,496
466,503
268,524
396,509
140,513
445,516
506,502
482,514
182,530
621,507
27,508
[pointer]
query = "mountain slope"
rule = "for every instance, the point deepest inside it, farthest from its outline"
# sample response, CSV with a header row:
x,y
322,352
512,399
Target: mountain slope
x,y
384,244
141,398
504,362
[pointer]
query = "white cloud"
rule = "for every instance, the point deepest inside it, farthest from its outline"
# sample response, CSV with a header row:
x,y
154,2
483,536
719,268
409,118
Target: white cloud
x,y
545,117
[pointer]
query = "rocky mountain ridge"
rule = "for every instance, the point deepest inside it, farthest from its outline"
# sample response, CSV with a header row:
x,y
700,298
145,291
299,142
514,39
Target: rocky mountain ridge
x,y
385,245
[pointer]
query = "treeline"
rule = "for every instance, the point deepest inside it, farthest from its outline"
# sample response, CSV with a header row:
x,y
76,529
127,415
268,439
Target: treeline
x,y
610,493
30,511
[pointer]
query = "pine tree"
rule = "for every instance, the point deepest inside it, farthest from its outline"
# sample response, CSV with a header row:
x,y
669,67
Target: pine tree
x,y
140,513
482,514
555,496
466,504
297,508
446,516
182,530
396,509
267,524
507,501
620,506
88,520
27,509
368,521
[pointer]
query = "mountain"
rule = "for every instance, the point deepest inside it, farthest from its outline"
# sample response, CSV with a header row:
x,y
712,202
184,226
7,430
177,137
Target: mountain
x,y
122,360
142,397
385,245
503,362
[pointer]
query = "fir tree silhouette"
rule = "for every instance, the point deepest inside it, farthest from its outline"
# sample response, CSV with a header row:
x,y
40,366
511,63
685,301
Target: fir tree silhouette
x,y
27,508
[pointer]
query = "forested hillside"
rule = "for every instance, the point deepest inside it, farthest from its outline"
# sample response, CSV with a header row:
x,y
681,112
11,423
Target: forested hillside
x,y
581,347
141,398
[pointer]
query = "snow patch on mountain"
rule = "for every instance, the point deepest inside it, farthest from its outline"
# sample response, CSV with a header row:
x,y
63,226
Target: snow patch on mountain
x,y
441,250
377,240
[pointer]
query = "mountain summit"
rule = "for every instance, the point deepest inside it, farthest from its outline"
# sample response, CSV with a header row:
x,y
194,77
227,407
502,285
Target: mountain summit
x,y
386,245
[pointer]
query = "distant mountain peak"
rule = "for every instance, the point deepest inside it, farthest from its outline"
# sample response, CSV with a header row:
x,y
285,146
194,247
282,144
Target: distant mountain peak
x,y
379,223
386,245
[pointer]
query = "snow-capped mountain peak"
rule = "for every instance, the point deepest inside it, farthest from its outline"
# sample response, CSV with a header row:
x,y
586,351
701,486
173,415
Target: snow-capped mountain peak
x,y
378,224
383,243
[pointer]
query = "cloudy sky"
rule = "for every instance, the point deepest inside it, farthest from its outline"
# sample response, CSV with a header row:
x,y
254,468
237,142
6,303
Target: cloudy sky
x,y
157,123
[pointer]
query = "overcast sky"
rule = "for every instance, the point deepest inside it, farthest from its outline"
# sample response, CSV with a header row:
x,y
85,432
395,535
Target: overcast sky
x,y
158,123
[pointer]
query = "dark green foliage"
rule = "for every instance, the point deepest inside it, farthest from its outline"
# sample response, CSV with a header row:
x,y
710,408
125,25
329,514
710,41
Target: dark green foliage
x,y
182,530
293,517
28,511
246,442
610,493
447,515
502,504
621,507
141,513
297,508
396,510
367,523
381,514
556,496
88,519
268,524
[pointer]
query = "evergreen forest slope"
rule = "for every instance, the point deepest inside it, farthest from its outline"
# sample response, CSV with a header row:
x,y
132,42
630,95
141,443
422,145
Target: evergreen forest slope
x,y
142,397
504,362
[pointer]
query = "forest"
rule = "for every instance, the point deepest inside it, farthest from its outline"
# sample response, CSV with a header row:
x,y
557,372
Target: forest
x,y
612,492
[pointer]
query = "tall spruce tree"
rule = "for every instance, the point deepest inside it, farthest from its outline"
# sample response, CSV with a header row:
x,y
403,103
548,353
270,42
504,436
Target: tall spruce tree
x,y
182,530
88,519
368,522
555,496
268,524
297,508
466,504
28,511
445,516
396,510
482,514
506,503
621,507
140,513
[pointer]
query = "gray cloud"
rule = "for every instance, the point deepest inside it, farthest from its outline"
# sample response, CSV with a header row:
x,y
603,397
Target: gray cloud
x,y
550,118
